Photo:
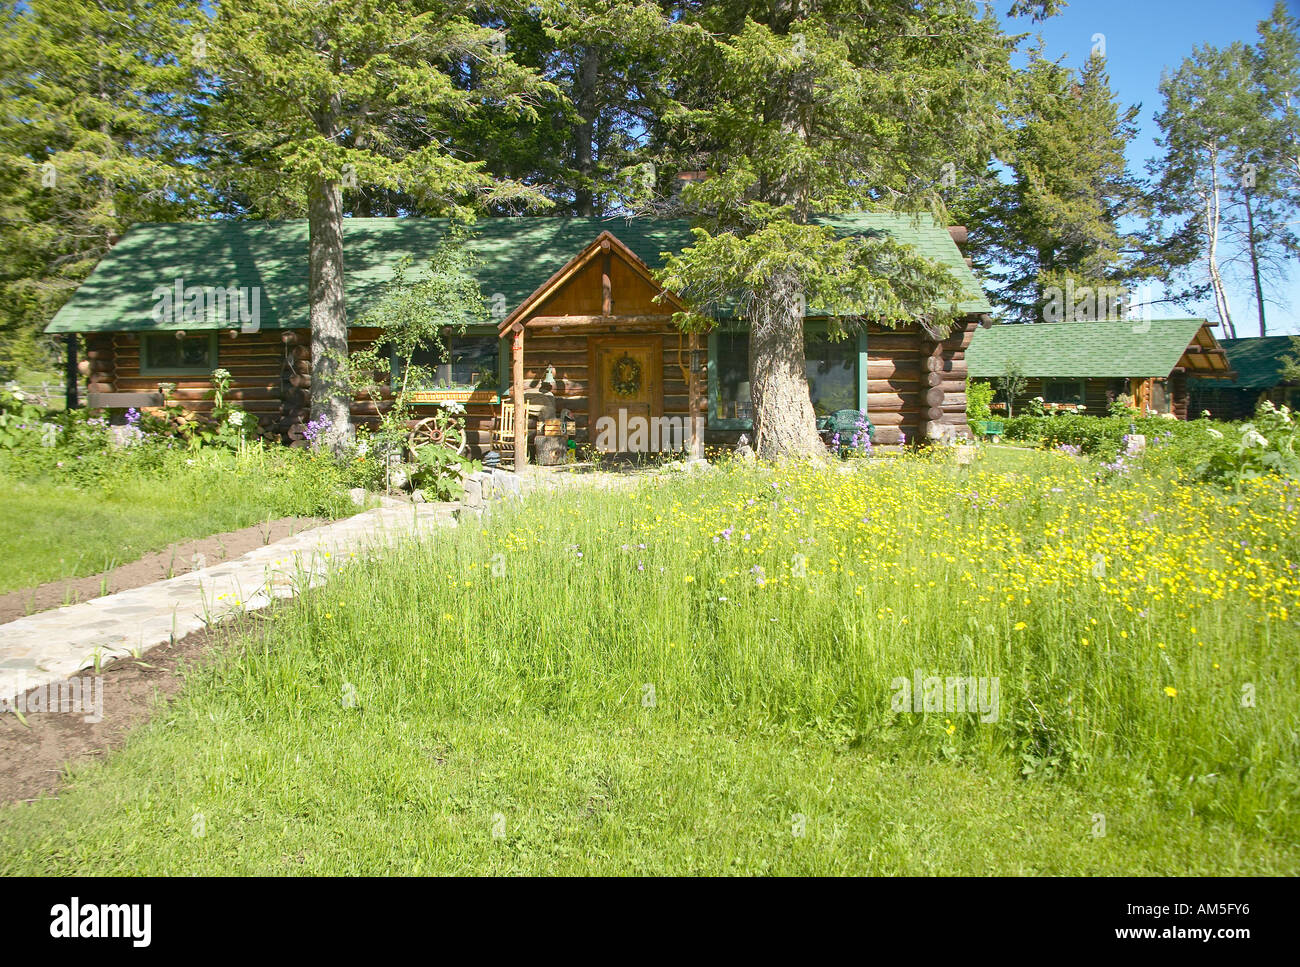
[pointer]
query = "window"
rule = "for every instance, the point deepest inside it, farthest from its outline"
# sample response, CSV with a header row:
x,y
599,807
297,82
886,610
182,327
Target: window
x,y
1063,391
831,369
731,364
471,361
164,354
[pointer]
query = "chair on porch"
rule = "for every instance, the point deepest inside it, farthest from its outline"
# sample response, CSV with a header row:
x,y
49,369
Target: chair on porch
x,y
504,432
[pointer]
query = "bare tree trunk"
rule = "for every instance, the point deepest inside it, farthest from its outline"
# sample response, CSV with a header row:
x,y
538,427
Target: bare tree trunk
x,y
1254,263
1212,254
784,422
330,396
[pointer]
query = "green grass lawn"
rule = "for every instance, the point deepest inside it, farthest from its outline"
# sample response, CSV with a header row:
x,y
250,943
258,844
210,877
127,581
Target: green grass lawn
x,y
701,675
52,531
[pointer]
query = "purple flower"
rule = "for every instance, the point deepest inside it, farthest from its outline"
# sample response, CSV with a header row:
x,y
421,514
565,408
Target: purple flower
x,y
315,429
132,416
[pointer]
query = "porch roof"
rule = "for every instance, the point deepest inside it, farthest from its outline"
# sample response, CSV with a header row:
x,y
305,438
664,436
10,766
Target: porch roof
x,y
1257,360
516,256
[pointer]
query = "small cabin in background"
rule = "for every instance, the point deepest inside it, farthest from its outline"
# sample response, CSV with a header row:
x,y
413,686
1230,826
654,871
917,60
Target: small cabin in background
x,y
1258,362
1085,366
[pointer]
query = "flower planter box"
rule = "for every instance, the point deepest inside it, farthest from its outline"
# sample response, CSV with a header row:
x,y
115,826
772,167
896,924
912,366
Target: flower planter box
x,y
432,397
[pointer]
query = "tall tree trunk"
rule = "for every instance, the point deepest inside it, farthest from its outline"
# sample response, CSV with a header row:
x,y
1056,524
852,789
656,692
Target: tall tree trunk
x,y
584,199
784,422
1254,263
1221,305
330,396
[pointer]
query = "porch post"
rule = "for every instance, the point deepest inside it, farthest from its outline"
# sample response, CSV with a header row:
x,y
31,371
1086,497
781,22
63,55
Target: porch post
x,y
70,372
517,390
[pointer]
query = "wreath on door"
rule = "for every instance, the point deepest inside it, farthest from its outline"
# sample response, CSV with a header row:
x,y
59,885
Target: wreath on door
x,y
625,377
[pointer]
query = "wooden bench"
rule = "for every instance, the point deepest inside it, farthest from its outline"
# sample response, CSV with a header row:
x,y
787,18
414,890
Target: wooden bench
x,y
122,401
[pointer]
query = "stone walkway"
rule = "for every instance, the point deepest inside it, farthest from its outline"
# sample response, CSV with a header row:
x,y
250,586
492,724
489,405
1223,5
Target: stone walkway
x,y
48,647
45,648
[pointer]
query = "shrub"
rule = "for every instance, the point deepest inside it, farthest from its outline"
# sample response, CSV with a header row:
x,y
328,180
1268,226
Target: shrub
x,y
978,398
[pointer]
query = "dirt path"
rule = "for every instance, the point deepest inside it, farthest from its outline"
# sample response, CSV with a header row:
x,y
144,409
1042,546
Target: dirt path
x,y
35,757
179,558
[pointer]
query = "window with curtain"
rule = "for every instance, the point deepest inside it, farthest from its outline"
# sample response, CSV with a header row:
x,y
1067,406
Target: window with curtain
x,y
830,366
471,361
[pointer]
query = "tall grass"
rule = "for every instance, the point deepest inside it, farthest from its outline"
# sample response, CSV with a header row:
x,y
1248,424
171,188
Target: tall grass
x,y
1137,629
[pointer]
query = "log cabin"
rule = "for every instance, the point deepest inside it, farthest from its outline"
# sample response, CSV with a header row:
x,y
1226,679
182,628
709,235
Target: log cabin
x,y
572,301
1088,365
1258,362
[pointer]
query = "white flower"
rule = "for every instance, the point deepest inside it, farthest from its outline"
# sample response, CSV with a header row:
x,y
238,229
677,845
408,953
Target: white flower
x,y
1252,438
1215,433
237,418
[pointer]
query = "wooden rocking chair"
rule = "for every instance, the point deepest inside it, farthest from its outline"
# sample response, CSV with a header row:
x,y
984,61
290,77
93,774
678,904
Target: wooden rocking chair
x,y
503,429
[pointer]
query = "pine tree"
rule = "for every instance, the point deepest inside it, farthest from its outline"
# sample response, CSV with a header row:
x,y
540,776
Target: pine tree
x,y
586,147
97,125
323,98
801,108
1052,223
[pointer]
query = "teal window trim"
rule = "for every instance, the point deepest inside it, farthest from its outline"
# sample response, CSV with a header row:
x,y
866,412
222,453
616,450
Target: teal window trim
x,y
716,422
147,369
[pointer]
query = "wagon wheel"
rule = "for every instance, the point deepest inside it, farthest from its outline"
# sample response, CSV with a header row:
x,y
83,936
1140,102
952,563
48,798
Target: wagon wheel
x,y
426,432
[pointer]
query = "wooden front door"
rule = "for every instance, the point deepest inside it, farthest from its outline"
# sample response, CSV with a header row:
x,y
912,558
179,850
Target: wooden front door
x,y
626,374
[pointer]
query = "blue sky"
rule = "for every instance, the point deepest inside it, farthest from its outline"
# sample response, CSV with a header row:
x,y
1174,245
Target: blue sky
x,y
1143,38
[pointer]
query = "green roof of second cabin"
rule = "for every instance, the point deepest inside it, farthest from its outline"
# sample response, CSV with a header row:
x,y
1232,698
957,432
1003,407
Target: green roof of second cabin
x,y
516,255
1257,361
1083,350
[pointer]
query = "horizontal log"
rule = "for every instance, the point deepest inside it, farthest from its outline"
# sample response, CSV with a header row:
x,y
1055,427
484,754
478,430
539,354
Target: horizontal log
x,y
894,418
885,368
890,402
892,387
664,321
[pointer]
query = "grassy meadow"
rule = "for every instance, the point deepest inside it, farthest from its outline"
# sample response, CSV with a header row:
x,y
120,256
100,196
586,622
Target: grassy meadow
x,y
702,674
53,529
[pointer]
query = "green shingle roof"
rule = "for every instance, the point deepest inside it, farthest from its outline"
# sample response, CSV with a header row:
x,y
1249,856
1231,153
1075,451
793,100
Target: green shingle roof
x,y
516,256
1257,361
1082,349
